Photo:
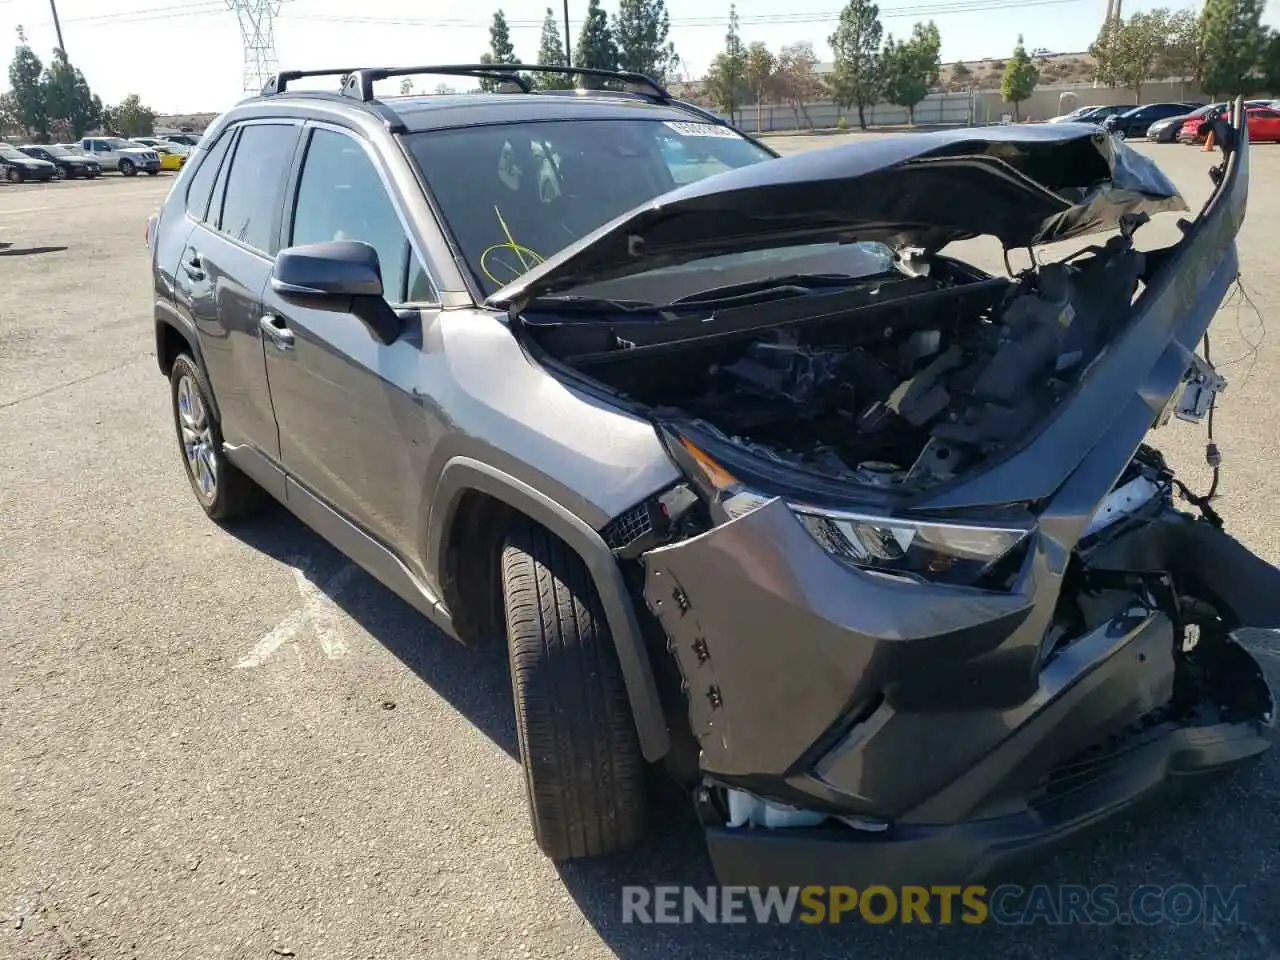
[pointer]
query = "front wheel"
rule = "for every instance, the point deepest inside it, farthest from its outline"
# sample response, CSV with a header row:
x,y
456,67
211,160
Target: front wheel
x,y
223,492
584,773
128,169
14,175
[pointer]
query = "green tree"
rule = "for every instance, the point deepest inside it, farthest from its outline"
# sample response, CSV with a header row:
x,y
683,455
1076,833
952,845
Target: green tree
x,y
70,104
795,81
960,74
406,86
1181,56
1020,77
132,118
500,40
727,79
1148,44
758,69
858,79
26,91
596,47
1271,64
640,29
911,67
8,116
551,53
1233,44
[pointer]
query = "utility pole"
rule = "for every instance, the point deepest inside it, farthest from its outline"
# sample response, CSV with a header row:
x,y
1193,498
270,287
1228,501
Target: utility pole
x,y
568,42
53,5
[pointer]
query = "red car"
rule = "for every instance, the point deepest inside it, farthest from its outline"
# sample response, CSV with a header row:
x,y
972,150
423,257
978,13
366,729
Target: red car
x,y
1263,122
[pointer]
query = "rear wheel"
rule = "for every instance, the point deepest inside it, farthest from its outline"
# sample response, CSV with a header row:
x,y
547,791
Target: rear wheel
x,y
13,175
128,169
223,492
584,773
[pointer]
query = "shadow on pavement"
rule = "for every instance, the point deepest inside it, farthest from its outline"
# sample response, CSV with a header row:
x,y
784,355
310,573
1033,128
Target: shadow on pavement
x,y
1220,833
8,250
474,680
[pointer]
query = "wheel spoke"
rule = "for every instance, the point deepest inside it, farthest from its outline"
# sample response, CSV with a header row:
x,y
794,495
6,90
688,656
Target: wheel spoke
x,y
210,465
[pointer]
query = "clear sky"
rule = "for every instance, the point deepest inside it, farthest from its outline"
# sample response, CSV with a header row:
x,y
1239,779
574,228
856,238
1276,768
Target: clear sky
x,y
185,55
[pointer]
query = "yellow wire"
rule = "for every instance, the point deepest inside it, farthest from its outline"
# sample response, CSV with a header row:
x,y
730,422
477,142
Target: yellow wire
x,y
518,249
510,239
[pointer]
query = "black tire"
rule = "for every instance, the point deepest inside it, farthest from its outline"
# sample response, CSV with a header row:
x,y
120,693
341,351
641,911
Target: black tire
x,y
127,168
234,495
584,773
14,175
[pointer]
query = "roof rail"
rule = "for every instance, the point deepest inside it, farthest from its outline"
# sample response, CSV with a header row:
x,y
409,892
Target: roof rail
x,y
280,82
360,85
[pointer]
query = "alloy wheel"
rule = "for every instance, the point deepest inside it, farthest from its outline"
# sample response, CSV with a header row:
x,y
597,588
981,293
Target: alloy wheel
x,y
197,438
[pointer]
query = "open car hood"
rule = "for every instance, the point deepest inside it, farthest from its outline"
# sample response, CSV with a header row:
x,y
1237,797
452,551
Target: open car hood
x,y
1024,185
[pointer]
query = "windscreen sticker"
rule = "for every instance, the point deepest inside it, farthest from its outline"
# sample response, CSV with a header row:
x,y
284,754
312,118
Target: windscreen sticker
x,y
686,129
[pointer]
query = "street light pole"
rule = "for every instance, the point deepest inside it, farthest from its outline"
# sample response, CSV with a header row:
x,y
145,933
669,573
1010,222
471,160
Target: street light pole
x,y
53,5
568,43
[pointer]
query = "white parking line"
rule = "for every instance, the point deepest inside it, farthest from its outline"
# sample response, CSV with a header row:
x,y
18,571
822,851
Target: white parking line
x,y
319,612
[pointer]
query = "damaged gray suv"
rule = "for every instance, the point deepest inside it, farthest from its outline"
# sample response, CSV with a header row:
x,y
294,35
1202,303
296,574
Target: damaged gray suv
x,y
866,546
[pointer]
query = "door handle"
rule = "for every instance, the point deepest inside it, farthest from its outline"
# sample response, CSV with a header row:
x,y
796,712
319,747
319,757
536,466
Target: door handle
x,y
193,266
274,329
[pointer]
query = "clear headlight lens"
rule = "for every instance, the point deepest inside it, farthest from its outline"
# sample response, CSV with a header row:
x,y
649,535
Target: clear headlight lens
x,y
908,549
941,552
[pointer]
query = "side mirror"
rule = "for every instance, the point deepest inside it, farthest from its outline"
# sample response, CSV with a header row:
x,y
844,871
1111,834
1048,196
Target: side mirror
x,y
342,276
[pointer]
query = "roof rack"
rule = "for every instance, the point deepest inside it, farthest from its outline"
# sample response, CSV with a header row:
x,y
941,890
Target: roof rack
x,y
360,84
280,82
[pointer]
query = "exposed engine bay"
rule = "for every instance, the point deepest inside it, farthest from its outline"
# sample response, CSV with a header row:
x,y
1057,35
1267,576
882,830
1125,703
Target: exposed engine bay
x,y
926,377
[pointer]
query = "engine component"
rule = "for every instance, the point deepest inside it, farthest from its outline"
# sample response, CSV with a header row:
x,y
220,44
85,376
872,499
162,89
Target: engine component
x,y
876,473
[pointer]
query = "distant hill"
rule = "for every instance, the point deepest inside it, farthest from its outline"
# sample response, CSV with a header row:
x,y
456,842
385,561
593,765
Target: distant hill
x,y
1056,70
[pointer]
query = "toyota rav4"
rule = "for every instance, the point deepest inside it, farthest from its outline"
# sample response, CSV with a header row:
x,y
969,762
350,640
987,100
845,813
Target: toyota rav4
x,y
867,546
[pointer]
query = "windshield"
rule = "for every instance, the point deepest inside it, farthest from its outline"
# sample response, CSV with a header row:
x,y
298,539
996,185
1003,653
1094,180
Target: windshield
x,y
515,194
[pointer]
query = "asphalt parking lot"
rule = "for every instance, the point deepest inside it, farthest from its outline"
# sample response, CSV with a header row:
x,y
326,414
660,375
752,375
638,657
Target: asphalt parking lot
x,y
234,745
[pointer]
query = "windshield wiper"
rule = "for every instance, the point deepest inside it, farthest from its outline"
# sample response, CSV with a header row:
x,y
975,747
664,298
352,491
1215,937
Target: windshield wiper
x,y
773,288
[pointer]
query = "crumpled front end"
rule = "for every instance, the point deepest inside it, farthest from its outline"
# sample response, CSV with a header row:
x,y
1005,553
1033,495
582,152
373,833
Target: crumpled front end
x,y
922,695
934,731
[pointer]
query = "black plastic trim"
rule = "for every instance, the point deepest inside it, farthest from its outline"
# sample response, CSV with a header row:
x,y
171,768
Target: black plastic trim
x,y
462,474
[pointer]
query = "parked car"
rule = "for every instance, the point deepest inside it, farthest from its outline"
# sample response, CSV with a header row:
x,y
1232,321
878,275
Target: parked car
x,y
1168,129
1195,128
172,156
160,143
68,163
1134,123
1092,114
17,166
186,139
866,546
117,153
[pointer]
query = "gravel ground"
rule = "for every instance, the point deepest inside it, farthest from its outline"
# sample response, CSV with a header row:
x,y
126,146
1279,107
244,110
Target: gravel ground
x,y
170,789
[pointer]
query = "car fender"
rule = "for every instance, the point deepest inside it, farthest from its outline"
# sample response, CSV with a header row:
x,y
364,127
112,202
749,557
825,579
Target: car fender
x,y
462,474
167,317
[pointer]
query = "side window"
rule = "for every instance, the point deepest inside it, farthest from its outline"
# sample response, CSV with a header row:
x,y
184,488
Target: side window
x,y
102,145
200,187
255,183
420,288
341,197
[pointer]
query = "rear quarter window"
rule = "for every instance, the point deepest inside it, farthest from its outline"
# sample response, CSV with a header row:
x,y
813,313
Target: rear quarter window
x,y
207,164
255,183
